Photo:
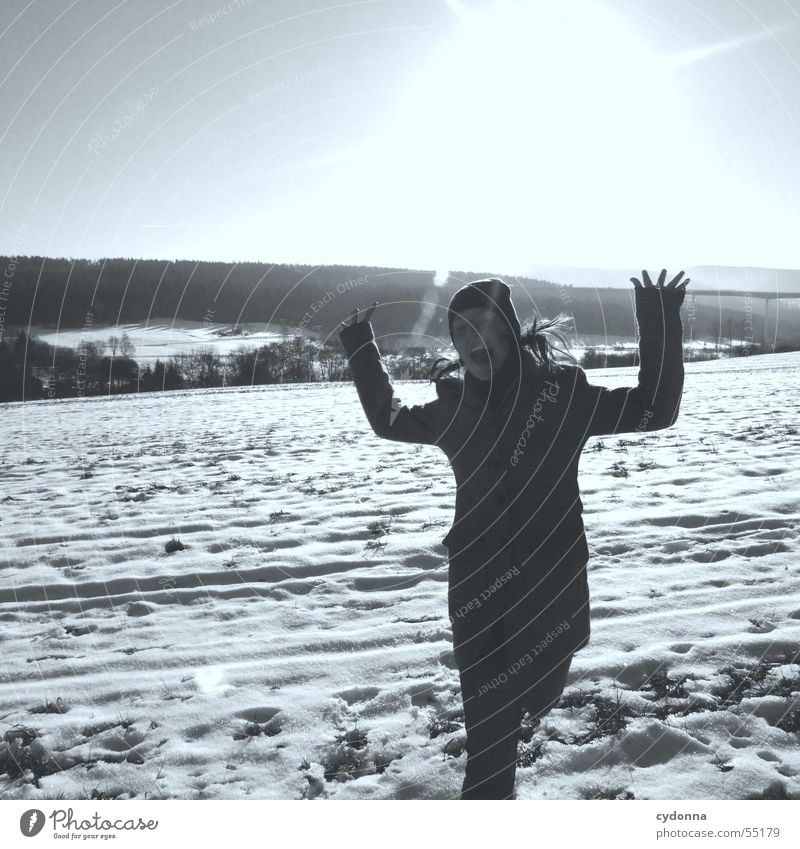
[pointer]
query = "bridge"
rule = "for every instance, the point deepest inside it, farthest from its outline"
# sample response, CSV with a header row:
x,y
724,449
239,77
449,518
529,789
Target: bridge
x,y
692,293
738,293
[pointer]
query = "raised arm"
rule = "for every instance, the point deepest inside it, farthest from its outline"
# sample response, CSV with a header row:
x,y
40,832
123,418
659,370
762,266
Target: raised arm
x,y
654,403
386,413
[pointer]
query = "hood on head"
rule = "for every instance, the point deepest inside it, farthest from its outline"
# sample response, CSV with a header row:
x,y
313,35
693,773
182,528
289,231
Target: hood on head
x,y
490,293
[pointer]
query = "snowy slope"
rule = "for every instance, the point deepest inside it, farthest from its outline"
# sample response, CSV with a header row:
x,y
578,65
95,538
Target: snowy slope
x,y
303,627
162,338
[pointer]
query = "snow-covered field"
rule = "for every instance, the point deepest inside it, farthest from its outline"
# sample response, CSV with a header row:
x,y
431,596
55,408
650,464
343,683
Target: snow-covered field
x,y
162,338
308,604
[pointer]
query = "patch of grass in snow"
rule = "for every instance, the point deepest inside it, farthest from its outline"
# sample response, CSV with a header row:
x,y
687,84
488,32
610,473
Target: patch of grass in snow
x,y
173,545
785,686
58,706
610,716
355,738
671,697
721,764
169,694
664,687
341,763
774,790
595,792
99,728
97,793
754,681
437,726
381,527
743,681
23,755
132,493
353,756
427,525
256,729
529,753
578,698
667,708
605,715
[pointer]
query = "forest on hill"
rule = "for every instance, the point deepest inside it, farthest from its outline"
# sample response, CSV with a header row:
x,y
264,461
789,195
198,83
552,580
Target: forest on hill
x,y
311,301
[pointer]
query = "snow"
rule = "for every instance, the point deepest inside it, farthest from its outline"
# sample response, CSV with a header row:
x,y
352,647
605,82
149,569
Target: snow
x,y
163,338
303,627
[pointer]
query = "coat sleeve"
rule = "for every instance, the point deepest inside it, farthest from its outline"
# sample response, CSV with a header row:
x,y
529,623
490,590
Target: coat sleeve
x,y
386,413
654,403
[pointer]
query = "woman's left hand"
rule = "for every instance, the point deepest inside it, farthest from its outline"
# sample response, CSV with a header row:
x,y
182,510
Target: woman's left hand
x,y
354,316
648,283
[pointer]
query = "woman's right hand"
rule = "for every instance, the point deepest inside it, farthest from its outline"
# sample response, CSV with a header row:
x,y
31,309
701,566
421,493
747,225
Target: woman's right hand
x,y
354,316
675,283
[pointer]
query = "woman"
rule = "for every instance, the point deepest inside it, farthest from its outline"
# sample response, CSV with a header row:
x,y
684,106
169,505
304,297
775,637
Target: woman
x,y
513,430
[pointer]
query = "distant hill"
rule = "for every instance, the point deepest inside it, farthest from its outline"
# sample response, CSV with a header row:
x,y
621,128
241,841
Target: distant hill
x,y
312,301
747,279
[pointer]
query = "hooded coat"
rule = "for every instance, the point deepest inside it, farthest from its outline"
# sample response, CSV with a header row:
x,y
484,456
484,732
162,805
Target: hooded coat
x,y
517,548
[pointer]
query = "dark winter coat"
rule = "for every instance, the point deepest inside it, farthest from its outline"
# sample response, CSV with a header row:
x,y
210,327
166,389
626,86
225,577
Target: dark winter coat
x,y
517,545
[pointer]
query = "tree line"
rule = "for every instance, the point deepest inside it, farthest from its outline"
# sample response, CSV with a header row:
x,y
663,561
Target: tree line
x,y
31,369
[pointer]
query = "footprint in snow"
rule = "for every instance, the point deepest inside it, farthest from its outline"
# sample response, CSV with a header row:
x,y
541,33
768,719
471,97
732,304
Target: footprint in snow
x,y
258,714
140,608
358,694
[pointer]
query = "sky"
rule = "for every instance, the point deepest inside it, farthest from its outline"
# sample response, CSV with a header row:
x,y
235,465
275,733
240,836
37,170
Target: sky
x,y
485,135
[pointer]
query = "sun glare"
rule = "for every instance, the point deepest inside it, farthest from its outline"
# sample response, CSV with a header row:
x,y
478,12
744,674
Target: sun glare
x,y
540,122
539,134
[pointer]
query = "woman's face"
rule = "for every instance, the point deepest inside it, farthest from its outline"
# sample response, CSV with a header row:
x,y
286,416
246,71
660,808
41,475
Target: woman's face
x,y
483,341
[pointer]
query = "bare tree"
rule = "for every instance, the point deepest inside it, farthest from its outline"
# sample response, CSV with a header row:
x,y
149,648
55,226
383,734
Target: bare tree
x,y
332,360
127,348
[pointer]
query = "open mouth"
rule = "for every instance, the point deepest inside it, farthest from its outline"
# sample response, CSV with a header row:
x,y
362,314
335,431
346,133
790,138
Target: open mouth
x,y
480,356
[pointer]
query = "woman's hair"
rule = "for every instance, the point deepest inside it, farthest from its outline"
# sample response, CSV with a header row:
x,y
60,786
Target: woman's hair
x,y
537,338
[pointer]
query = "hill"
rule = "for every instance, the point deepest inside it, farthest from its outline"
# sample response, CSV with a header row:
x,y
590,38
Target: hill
x,y
312,300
